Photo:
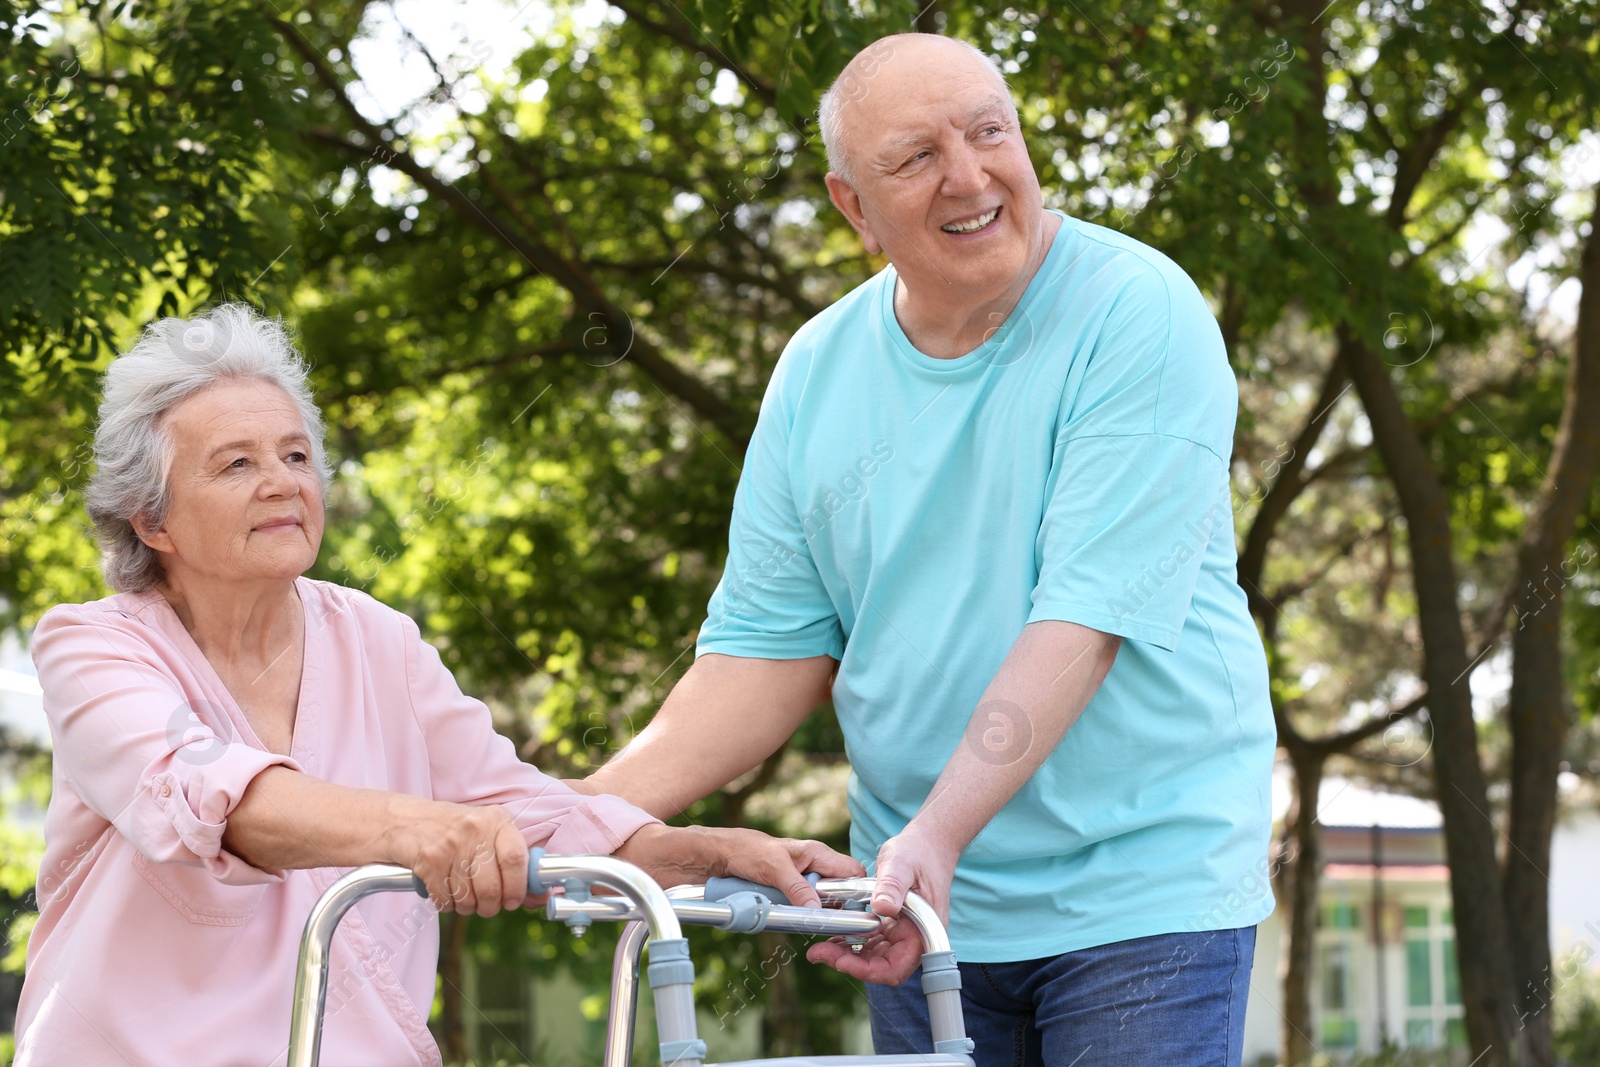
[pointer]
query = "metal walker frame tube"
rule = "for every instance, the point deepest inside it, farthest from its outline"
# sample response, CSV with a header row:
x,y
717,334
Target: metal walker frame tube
x,y
311,977
648,911
943,993
674,993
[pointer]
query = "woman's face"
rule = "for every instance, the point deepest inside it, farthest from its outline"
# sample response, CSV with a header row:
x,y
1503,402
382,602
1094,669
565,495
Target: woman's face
x,y
246,499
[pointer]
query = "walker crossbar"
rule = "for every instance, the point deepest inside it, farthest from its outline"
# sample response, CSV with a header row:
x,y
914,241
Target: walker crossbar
x,y
648,910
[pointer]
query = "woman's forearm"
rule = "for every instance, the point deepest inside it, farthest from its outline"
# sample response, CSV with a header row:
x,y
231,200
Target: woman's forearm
x,y
289,820
471,858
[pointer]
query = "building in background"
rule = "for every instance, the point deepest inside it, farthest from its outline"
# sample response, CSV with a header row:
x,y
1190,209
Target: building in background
x,y
1385,957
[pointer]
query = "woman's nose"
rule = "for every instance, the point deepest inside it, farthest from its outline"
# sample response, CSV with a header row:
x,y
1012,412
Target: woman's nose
x,y
278,479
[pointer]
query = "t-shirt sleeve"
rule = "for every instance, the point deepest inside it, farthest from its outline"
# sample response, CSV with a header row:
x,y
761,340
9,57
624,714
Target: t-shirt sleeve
x,y
1139,473
135,750
471,763
771,602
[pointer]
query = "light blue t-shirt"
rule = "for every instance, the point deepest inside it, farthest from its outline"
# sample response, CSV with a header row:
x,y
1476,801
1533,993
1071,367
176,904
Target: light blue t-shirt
x,y
910,515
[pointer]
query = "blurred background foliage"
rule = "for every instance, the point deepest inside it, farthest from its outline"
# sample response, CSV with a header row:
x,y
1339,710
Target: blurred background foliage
x,y
543,260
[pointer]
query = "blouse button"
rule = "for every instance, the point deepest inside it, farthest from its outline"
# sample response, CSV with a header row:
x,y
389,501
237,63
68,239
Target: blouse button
x,y
166,790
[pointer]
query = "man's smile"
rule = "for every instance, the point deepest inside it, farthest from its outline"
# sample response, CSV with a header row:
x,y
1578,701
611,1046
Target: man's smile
x,y
972,224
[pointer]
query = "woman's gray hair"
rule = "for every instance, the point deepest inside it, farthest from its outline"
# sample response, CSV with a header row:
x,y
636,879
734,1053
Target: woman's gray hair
x,y
133,450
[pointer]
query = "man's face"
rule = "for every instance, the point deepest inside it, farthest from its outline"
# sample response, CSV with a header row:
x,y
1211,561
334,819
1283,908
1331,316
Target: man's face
x,y
942,181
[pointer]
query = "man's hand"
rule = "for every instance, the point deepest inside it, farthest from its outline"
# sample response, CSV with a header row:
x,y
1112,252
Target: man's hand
x,y
889,956
913,861
1047,679
679,855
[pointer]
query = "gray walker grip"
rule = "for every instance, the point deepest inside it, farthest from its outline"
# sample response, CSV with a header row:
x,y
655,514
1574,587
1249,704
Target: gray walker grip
x,y
722,888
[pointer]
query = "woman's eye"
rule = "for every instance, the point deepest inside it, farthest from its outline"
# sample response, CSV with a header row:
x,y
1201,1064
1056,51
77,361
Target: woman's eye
x,y
238,464
298,457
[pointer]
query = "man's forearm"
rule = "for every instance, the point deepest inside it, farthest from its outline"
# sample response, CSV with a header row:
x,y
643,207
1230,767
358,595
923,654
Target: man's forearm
x,y
1037,694
726,715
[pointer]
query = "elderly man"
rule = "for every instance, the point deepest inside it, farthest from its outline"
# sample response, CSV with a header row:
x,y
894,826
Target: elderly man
x,y
986,511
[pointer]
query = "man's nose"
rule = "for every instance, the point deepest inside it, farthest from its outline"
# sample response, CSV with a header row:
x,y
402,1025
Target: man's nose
x,y
964,175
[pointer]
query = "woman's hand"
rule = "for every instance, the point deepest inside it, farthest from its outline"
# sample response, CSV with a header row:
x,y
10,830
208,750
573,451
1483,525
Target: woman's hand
x,y
679,855
473,859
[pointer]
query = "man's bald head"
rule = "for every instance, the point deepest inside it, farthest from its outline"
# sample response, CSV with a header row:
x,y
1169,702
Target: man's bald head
x,y
849,100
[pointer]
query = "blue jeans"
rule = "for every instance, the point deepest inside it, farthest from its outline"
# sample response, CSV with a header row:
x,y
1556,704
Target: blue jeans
x,y
1174,999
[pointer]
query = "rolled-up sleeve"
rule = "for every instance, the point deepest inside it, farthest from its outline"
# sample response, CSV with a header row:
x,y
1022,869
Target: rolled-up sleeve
x,y
165,770
471,763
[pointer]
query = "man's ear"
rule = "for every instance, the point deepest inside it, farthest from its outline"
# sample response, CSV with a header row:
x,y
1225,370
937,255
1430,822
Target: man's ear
x,y
848,201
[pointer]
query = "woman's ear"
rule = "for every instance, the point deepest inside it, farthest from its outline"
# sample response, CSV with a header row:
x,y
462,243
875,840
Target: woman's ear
x,y
154,537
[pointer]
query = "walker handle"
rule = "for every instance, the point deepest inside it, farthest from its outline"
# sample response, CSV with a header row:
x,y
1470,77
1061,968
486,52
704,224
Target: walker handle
x,y
535,886
722,888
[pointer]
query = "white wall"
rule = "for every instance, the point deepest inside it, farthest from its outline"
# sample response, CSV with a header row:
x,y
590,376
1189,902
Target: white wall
x,y
21,709
1575,891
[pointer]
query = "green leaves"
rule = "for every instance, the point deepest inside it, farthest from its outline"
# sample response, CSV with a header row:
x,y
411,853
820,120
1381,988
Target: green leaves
x,y
133,170
542,343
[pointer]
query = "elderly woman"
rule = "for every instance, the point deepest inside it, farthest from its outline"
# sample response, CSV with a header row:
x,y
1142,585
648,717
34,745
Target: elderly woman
x,y
229,736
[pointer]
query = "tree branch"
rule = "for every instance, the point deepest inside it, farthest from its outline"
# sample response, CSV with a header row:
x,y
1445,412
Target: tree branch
x,y
734,800
1419,155
1286,487
1288,591
679,29
617,333
1336,744
1372,114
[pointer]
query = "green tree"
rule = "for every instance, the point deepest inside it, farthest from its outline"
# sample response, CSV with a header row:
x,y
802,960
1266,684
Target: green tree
x,y
544,298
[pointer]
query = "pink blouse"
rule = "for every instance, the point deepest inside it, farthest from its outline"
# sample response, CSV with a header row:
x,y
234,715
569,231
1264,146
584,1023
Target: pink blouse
x,y
156,946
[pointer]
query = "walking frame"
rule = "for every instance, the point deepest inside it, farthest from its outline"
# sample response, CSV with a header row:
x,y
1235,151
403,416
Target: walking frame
x,y
657,916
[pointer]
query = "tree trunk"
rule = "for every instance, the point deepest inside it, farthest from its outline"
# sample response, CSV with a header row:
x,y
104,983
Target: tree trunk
x,y
452,1017
1539,714
1302,877
783,1025
1483,938
1539,724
